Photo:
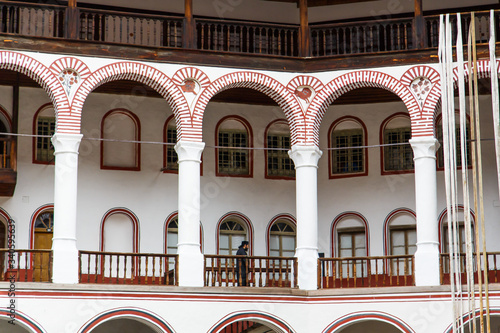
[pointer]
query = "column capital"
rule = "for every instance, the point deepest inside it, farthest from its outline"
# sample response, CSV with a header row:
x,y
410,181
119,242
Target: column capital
x,y
424,147
304,156
66,143
189,151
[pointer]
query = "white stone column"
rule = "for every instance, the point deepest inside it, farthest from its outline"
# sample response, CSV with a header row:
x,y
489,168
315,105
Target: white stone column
x,y
427,255
306,159
191,261
65,253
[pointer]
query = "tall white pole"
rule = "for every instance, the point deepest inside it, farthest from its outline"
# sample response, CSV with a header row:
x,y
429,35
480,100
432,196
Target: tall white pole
x,y
191,262
427,254
306,159
65,260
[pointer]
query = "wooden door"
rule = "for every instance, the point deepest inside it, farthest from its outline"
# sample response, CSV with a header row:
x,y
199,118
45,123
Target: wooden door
x,y
40,261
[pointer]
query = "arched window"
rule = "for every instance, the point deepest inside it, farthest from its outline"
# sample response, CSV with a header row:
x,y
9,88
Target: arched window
x,y
402,231
172,235
278,163
119,231
233,228
44,127
169,154
120,125
234,132
346,160
282,238
350,232
458,153
462,244
397,155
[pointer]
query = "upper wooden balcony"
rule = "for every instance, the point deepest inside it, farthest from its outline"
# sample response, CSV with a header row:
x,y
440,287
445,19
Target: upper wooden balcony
x,y
198,40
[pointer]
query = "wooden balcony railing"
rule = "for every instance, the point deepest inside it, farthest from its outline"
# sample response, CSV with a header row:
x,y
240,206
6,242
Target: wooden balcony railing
x,y
482,20
361,37
129,28
128,268
38,20
247,37
358,272
27,265
492,266
223,271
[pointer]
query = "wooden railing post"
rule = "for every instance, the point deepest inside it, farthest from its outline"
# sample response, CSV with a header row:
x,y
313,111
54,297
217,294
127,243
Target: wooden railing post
x,y
189,26
71,26
418,26
304,49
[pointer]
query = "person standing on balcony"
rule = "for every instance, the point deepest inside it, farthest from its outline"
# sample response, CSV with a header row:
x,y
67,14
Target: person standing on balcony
x,y
241,271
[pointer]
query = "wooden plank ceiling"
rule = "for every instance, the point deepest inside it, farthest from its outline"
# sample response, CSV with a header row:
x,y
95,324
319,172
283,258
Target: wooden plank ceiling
x,y
317,3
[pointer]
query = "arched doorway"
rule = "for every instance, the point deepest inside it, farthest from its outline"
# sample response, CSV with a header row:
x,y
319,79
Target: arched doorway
x,y
371,326
123,325
43,232
246,326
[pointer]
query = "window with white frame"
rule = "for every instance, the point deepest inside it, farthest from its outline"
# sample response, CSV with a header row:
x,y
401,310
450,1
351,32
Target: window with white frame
x,y
231,161
170,136
279,163
458,153
45,127
403,241
398,154
282,239
120,130
231,233
172,236
345,158
351,243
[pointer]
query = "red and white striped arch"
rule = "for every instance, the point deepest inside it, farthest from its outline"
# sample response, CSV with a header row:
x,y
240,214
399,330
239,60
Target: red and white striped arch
x,y
264,318
146,317
360,79
70,62
145,74
338,325
191,73
22,320
260,82
18,62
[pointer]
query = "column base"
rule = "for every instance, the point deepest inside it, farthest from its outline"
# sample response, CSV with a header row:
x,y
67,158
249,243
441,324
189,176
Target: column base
x,y
427,270
191,265
308,268
65,261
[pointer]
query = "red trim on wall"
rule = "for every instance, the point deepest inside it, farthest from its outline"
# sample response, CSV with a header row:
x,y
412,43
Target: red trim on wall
x,y
137,123
246,124
365,143
264,318
245,220
281,121
441,222
34,216
7,117
35,123
283,216
141,315
352,318
334,232
387,222
21,319
381,138
131,216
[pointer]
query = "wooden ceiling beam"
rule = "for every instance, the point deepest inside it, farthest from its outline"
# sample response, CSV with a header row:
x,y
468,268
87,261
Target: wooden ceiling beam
x,y
318,3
